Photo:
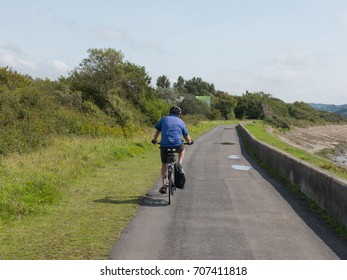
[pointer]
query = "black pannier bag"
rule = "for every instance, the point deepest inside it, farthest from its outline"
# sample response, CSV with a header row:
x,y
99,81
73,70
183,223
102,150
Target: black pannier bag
x,y
180,176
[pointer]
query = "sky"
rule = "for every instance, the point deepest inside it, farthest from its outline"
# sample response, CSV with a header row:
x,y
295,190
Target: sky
x,y
295,50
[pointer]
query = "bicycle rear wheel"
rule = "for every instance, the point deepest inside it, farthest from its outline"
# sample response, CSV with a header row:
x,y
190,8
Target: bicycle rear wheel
x,y
170,186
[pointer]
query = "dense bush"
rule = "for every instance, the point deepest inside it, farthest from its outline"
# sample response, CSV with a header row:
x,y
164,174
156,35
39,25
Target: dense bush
x,y
32,113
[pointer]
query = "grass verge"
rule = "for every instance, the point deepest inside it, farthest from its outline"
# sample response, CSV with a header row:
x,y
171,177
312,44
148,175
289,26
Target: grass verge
x,y
90,189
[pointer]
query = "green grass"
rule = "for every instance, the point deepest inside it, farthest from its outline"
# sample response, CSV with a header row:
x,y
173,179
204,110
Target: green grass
x,y
259,130
90,216
72,199
33,180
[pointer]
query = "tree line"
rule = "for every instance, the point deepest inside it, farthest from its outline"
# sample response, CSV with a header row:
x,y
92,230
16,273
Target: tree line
x,y
106,95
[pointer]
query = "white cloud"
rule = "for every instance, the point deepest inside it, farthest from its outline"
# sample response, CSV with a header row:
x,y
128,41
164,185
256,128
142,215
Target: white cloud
x,y
26,64
7,59
290,67
51,69
59,65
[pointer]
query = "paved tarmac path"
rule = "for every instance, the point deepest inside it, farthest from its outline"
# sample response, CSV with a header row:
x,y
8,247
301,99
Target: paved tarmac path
x,y
230,209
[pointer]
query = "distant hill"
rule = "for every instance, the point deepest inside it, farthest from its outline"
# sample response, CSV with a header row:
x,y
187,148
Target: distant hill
x,y
337,109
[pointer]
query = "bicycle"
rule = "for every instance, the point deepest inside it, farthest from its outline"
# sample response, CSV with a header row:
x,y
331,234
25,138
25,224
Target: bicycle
x,y
171,162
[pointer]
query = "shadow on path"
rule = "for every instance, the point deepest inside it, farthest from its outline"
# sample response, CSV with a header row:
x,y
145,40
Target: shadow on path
x,y
149,200
120,200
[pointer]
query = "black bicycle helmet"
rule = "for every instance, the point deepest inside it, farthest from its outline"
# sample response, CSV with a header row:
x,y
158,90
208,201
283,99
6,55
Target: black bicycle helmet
x,y
175,110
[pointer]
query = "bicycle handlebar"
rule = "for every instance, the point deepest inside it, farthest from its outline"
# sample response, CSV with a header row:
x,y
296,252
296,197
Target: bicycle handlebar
x,y
185,143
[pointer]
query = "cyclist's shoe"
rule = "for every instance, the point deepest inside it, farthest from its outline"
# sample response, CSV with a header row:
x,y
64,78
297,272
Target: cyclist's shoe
x,y
163,190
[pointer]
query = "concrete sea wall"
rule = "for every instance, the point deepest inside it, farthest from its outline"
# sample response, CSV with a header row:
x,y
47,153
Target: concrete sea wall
x,y
327,190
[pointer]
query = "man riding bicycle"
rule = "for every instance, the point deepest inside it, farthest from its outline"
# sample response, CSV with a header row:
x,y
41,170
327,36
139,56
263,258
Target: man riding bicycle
x,y
171,128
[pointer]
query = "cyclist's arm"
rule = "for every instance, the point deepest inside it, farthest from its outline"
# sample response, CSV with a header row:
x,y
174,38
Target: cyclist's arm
x,y
156,135
188,139
185,134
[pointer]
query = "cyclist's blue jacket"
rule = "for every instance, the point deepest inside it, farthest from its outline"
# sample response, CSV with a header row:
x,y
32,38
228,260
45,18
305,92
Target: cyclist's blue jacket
x,y
171,128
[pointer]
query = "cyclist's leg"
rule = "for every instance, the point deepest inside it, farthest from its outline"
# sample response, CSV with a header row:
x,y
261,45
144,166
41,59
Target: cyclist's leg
x,y
181,154
163,173
163,156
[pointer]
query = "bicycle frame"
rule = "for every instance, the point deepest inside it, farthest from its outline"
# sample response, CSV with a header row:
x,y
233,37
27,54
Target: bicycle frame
x,y
171,161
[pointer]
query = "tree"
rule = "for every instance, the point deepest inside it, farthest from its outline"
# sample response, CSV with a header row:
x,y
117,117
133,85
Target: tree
x,y
163,82
197,86
225,104
98,74
119,88
170,96
250,105
135,82
180,85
